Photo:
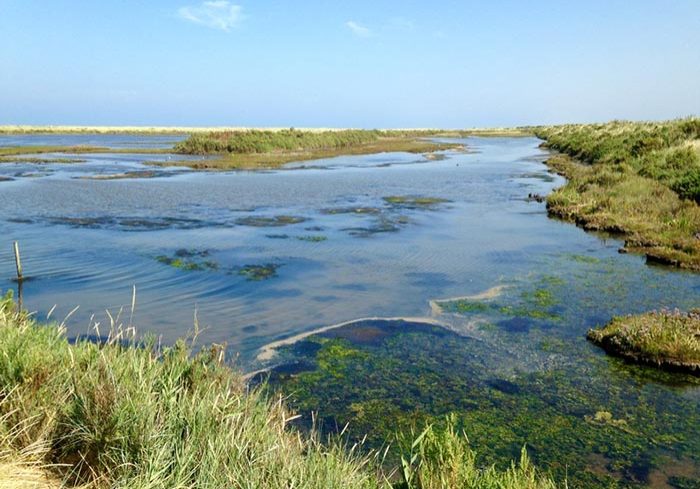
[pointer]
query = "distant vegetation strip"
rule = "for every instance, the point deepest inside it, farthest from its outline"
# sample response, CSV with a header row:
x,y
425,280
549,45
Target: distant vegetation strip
x,y
17,153
266,149
668,339
638,179
267,141
177,130
294,140
121,413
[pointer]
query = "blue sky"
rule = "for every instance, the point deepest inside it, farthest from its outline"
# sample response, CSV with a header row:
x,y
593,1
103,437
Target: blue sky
x,y
347,64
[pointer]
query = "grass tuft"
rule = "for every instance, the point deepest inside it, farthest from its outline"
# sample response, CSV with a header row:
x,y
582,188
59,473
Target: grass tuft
x,y
669,339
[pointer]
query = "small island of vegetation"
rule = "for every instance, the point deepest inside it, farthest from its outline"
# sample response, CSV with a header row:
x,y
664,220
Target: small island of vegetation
x,y
273,148
667,339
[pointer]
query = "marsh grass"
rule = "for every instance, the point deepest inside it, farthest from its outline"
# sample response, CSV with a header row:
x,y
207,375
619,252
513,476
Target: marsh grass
x,y
669,339
127,414
443,458
638,179
267,141
122,413
268,149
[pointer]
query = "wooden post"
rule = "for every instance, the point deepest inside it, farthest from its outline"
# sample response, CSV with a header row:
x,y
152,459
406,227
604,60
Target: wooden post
x,y
18,262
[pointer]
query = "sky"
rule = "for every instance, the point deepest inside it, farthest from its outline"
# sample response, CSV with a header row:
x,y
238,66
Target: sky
x,y
371,64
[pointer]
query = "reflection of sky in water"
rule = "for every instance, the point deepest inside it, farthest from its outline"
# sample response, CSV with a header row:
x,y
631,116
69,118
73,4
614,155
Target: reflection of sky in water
x,y
403,257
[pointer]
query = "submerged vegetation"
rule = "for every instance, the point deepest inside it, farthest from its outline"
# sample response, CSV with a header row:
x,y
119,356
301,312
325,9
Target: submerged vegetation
x,y
411,202
190,260
256,273
584,416
127,414
638,179
274,221
260,148
669,339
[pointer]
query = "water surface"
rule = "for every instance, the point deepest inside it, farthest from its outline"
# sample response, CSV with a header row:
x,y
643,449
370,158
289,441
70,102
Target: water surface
x,y
265,256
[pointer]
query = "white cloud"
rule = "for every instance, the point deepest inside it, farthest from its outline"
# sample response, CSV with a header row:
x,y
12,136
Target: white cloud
x,y
357,29
216,14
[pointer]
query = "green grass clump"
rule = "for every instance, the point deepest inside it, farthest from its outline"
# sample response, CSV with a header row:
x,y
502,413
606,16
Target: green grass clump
x,y
142,416
668,339
438,459
638,179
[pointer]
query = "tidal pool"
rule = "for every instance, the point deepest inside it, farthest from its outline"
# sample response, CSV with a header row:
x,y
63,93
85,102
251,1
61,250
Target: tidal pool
x,y
409,243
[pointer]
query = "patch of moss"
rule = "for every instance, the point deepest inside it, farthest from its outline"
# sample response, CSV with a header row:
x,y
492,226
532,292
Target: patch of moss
x,y
275,221
259,272
189,260
466,306
411,202
352,210
312,238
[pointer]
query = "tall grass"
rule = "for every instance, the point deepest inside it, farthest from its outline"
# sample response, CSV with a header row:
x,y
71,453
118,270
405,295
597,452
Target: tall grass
x,y
123,414
139,415
639,179
268,141
437,459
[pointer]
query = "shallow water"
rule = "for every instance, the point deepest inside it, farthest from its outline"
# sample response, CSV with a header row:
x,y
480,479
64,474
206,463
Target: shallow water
x,y
264,256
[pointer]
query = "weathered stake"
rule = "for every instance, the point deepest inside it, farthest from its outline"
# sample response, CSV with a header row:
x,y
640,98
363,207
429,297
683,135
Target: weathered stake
x,y
18,262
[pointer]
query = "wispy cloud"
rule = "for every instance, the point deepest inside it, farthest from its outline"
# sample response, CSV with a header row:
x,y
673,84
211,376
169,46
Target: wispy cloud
x,y
357,29
216,14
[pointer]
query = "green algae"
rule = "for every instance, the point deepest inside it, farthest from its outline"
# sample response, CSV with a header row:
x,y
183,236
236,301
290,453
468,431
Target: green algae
x,y
405,380
275,221
412,202
466,306
537,302
189,260
582,258
312,238
352,210
257,273
545,387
